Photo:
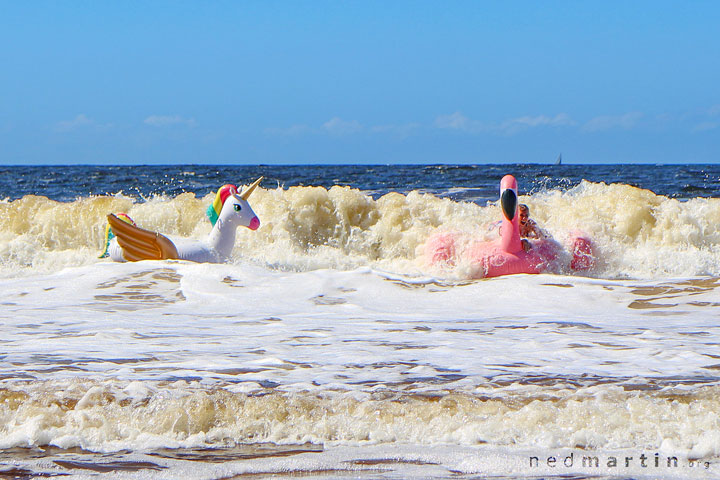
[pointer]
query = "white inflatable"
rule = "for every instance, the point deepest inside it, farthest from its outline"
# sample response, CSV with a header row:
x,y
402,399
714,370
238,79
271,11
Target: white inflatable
x,y
127,242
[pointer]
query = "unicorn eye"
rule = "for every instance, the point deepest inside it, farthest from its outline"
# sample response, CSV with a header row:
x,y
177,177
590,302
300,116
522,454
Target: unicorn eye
x,y
237,207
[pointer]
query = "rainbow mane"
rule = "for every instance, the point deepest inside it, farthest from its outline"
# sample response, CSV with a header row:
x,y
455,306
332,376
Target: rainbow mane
x,y
213,211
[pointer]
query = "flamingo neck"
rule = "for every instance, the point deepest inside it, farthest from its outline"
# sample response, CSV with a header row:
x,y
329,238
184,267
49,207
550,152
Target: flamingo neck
x,y
510,235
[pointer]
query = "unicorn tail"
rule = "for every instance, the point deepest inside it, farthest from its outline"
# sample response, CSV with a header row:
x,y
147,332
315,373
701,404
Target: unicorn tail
x,y
109,235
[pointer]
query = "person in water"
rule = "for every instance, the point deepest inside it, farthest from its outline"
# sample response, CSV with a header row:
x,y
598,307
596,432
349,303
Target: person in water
x,y
528,227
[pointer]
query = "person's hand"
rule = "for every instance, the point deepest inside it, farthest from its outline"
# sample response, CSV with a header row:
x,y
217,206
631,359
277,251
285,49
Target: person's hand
x,y
526,245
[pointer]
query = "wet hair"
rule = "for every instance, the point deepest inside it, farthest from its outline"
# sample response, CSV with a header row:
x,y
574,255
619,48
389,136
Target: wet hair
x,y
522,206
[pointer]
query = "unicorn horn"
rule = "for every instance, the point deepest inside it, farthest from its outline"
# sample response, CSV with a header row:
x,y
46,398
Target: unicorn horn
x,y
244,195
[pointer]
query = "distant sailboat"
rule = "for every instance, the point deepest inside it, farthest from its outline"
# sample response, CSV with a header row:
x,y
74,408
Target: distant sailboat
x,y
559,160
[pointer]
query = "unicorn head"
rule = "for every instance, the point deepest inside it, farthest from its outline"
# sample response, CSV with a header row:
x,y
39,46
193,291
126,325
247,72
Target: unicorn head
x,y
232,208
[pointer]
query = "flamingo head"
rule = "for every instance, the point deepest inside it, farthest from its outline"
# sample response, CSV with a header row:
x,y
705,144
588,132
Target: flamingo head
x,y
509,197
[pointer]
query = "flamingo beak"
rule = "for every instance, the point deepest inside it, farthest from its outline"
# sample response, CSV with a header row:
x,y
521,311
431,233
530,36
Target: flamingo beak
x,y
509,203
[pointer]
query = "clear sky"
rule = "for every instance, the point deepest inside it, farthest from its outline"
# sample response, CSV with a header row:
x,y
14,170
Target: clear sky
x,y
294,82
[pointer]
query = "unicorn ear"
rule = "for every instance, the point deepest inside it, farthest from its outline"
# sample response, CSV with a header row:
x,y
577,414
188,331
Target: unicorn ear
x,y
244,195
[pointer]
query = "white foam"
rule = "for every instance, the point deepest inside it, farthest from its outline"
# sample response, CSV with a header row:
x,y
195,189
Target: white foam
x,y
637,234
334,332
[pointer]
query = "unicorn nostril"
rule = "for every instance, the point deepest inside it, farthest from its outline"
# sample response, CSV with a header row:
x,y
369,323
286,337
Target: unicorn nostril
x,y
254,223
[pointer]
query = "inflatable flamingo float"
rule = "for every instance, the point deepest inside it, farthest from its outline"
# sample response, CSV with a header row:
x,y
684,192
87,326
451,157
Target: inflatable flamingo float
x,y
127,242
506,255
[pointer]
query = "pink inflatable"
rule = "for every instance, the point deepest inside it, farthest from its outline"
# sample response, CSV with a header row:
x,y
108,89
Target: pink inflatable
x,y
506,256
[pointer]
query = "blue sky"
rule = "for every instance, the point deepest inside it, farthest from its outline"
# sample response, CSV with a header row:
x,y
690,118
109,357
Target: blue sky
x,y
294,82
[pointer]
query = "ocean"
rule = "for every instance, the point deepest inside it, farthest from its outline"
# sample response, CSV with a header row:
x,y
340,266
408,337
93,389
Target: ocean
x,y
331,346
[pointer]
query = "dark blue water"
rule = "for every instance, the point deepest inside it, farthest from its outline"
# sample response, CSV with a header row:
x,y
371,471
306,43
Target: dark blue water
x,y
477,183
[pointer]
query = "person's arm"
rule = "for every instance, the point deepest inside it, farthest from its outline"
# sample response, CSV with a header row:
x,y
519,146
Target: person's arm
x,y
535,232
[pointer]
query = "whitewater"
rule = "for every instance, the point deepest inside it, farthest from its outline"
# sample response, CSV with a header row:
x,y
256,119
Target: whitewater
x,y
331,346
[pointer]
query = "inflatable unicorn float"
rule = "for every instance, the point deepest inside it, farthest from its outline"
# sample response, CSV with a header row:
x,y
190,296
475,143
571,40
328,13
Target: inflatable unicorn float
x,y
230,209
506,255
